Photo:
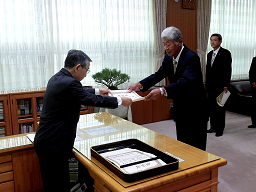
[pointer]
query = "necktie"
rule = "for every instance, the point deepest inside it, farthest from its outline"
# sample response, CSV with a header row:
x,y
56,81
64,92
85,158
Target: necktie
x,y
213,57
174,65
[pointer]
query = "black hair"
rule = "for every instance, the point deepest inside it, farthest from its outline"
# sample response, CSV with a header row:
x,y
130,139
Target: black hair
x,y
76,57
218,35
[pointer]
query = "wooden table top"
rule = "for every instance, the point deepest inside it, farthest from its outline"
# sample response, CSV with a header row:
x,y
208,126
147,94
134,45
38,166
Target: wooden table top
x,y
100,128
10,143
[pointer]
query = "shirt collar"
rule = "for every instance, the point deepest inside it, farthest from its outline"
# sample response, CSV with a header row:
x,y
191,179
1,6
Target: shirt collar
x,y
178,57
216,51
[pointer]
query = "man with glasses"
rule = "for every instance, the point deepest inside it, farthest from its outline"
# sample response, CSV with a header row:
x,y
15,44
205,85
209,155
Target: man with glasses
x,y
56,133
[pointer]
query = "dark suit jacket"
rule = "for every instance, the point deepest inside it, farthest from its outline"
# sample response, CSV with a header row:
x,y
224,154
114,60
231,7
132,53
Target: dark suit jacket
x,y
186,86
252,74
218,75
252,71
61,110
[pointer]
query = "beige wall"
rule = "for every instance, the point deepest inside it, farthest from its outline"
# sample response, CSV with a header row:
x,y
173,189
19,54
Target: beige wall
x,y
185,20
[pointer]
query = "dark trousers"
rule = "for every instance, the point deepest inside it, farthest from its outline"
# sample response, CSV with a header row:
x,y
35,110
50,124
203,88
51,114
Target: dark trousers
x,y
54,172
217,115
192,132
84,177
253,106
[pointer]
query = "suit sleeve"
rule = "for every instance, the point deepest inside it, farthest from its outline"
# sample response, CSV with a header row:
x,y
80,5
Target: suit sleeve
x,y
227,69
252,71
87,96
157,76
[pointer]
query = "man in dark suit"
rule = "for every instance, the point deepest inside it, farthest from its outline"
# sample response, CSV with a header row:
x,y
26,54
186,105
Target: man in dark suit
x,y
252,77
56,133
186,89
218,74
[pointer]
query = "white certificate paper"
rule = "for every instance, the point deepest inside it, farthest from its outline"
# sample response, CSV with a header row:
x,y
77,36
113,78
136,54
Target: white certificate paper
x,y
125,93
126,156
222,98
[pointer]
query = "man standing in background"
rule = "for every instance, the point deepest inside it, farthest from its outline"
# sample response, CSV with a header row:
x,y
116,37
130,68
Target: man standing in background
x,y
252,77
218,75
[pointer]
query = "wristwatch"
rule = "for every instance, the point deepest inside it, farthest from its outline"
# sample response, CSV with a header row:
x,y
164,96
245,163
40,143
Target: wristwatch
x,y
162,91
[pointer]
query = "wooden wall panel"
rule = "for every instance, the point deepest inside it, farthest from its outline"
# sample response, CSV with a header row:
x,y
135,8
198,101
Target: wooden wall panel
x,y
161,109
185,20
142,110
7,186
27,175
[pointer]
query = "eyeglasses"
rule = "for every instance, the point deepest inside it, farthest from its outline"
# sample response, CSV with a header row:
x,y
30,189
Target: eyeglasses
x,y
88,71
167,44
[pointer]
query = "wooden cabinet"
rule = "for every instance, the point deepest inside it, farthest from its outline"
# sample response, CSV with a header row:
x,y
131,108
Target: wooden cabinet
x,y
20,112
6,173
20,170
86,110
151,111
25,110
26,171
5,118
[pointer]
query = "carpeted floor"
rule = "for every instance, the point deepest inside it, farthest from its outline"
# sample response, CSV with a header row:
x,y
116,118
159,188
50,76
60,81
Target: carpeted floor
x,y
237,146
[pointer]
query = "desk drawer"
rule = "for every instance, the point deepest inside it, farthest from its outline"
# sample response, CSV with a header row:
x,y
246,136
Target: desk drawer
x,y
7,186
4,167
8,176
5,158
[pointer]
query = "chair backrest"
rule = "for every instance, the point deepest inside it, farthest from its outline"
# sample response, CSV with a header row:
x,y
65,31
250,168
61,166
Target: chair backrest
x,y
241,88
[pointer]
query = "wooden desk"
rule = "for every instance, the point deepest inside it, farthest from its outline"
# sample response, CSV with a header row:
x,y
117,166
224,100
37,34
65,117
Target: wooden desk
x,y
19,165
198,171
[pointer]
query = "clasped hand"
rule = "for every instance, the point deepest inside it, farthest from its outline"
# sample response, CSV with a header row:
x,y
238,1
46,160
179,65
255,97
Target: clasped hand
x,y
104,91
126,102
153,95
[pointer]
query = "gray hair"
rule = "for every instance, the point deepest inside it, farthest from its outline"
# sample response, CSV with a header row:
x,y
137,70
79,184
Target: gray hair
x,y
171,33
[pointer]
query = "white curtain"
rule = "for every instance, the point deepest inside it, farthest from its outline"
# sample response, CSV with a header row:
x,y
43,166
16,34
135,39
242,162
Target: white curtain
x,y
235,21
159,10
25,47
37,34
203,26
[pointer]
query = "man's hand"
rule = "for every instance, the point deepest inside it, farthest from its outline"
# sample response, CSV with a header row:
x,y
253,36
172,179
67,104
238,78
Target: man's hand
x,y
134,87
104,91
225,89
153,95
254,84
126,101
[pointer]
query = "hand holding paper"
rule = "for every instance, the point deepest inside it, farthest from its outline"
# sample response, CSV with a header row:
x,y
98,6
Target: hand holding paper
x,y
125,93
222,98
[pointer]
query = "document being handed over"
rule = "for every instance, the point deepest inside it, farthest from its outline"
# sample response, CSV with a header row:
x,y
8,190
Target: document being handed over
x,y
125,93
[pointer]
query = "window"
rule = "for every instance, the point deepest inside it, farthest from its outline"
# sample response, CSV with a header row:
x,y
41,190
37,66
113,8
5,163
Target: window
x,y
37,34
235,21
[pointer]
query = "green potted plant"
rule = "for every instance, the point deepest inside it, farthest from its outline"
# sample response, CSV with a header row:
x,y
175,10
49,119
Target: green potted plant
x,y
110,78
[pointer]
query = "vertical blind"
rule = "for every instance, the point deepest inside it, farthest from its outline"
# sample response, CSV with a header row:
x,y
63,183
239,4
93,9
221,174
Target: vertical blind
x,y
37,34
235,21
